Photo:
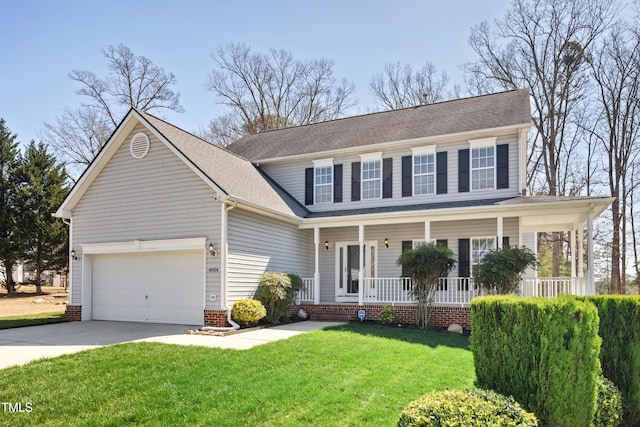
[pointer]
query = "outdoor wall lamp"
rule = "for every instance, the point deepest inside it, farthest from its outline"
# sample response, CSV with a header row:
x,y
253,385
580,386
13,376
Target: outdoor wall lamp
x,y
74,255
326,244
386,242
212,250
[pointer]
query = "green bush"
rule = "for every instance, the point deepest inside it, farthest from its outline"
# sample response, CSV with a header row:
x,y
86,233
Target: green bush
x,y
500,270
543,352
458,408
248,312
426,264
609,404
277,291
388,316
620,353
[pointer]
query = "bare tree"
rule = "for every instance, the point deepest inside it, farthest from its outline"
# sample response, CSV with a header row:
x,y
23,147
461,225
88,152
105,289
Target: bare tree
x,y
398,86
79,134
616,71
133,81
543,45
272,91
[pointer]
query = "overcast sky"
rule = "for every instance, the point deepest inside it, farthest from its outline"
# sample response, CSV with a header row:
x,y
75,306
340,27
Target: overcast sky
x,y
42,41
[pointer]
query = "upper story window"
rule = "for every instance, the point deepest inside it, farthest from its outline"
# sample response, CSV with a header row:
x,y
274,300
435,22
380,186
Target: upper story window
x,y
424,170
483,169
323,181
371,176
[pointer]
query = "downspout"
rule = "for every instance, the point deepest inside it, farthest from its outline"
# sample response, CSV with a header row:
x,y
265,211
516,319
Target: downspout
x,y
223,267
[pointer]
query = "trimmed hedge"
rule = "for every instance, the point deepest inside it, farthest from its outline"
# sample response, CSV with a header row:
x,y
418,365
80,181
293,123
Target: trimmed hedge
x,y
458,408
248,312
620,353
543,352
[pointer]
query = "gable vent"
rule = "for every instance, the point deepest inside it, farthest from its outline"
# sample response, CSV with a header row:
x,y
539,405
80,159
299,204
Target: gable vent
x,y
139,146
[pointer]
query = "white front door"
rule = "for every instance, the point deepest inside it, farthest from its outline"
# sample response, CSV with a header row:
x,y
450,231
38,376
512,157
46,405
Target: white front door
x,y
348,284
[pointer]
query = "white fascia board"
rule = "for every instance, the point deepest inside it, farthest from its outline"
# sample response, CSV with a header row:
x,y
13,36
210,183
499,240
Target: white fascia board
x,y
63,213
382,146
272,213
144,246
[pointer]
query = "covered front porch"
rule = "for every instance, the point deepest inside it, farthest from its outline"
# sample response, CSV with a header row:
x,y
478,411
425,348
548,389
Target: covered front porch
x,y
354,257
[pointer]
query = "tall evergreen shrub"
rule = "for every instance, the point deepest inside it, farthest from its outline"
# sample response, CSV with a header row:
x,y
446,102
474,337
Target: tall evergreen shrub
x,y
543,352
620,353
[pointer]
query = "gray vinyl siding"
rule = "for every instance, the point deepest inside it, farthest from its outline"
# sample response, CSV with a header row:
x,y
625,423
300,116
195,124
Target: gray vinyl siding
x,y
258,244
386,257
290,175
154,198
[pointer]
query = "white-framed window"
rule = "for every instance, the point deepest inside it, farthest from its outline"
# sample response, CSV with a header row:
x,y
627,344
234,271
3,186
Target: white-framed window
x,y
480,246
323,181
371,176
483,164
424,170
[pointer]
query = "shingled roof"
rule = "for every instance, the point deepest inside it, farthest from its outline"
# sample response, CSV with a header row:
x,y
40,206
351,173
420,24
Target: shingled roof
x,y
497,110
235,175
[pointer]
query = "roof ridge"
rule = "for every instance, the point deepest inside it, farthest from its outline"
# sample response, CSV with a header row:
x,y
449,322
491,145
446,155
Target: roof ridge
x,y
388,111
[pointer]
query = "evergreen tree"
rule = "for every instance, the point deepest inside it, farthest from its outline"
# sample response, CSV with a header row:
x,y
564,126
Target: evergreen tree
x,y
9,245
41,189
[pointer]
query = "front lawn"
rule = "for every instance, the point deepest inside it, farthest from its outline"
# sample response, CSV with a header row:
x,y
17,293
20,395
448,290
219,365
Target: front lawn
x,y
30,320
353,375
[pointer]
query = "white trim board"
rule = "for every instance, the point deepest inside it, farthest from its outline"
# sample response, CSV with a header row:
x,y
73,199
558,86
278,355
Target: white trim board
x,y
144,246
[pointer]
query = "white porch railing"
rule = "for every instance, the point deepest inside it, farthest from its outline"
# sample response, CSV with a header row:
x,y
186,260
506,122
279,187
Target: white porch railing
x,y
553,286
457,291
306,293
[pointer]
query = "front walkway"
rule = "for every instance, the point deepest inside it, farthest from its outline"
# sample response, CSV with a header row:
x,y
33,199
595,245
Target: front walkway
x,y
22,345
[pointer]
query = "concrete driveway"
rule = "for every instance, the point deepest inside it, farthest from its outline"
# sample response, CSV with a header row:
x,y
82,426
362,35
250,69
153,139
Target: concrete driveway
x,y
23,345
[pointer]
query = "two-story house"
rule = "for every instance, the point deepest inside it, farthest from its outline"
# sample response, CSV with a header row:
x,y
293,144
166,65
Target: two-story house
x,y
166,227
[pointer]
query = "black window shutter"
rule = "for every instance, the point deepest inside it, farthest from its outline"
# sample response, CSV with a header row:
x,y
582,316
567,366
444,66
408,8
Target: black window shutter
x,y
444,283
441,172
406,245
505,241
337,183
308,186
407,176
502,161
387,178
463,171
355,181
464,258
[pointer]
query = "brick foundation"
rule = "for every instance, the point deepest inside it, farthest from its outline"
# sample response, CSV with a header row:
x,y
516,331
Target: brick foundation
x,y
440,316
73,313
217,318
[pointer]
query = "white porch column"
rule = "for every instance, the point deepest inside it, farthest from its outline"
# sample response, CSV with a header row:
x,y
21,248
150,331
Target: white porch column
x,y
361,270
500,231
427,231
572,248
591,281
581,251
316,271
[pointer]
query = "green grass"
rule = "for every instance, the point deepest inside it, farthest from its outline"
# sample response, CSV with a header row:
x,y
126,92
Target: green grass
x,y
30,320
353,375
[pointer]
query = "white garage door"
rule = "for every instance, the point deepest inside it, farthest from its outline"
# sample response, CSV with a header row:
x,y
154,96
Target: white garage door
x,y
157,287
